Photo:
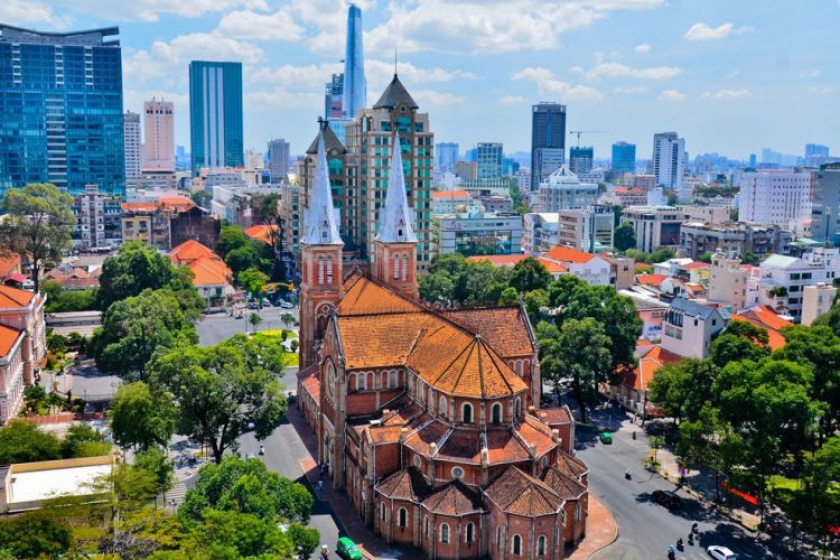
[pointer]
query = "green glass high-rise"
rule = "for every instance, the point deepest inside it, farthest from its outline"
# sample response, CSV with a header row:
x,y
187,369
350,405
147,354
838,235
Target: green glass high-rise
x,y
216,135
61,107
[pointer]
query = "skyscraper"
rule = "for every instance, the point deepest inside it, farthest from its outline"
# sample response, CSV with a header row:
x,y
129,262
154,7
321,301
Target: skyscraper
x,y
133,147
216,137
61,109
548,140
355,85
278,160
825,226
447,155
159,136
812,150
623,158
333,94
490,158
580,159
668,159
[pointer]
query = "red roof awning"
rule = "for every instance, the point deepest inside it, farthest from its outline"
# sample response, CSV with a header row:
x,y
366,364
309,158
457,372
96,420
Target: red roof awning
x,y
16,277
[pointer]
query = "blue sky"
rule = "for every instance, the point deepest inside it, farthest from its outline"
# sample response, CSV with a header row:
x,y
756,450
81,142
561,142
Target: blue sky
x,y
731,76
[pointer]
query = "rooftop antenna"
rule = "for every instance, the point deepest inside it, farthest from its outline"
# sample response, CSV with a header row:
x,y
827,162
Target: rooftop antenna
x,y
395,60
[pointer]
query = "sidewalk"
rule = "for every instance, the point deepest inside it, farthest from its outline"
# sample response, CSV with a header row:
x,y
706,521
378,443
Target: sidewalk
x,y
601,531
372,546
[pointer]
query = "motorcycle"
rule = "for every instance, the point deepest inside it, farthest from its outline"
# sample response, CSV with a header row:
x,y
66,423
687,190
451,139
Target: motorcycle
x,y
672,554
680,545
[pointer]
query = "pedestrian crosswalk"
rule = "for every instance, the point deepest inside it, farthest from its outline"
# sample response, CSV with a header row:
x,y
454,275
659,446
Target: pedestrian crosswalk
x,y
176,495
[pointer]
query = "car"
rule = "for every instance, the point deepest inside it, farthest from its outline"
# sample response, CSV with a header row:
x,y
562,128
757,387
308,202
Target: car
x,y
605,437
721,553
667,499
286,305
347,549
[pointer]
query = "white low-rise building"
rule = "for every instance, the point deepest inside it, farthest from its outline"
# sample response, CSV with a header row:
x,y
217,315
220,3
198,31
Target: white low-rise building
x,y
817,300
779,197
690,327
564,190
539,231
782,280
586,266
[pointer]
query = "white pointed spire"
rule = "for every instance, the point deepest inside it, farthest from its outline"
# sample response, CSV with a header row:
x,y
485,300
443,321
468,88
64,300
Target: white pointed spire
x,y
319,219
396,223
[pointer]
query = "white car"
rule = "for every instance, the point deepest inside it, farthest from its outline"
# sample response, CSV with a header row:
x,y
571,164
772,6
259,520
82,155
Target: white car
x,y
721,553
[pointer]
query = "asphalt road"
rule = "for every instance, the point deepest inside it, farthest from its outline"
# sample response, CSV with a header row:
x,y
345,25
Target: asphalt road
x,y
647,529
217,327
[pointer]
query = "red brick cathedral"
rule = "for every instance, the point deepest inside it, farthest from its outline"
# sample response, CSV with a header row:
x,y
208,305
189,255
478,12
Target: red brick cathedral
x,y
425,417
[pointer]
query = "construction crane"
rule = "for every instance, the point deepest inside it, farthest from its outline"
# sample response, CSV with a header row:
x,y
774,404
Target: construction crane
x,y
579,132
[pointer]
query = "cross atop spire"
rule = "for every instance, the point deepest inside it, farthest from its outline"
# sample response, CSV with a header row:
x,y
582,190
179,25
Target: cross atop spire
x,y
396,224
319,219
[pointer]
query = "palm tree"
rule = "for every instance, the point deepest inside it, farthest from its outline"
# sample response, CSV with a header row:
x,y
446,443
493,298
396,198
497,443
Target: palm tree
x,y
255,320
287,319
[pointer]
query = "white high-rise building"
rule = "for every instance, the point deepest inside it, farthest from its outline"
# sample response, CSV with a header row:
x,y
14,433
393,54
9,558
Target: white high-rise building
x,y
777,197
159,136
278,160
131,138
668,159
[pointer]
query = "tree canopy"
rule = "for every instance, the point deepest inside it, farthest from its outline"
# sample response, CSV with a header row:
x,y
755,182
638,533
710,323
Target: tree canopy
x,y
38,225
624,237
140,418
25,442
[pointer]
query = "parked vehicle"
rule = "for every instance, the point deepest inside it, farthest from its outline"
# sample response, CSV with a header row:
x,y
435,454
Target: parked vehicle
x,y
286,305
606,438
667,499
721,553
347,549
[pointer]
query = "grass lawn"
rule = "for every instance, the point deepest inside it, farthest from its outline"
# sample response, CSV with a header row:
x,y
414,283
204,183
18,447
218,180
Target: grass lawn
x,y
292,359
779,482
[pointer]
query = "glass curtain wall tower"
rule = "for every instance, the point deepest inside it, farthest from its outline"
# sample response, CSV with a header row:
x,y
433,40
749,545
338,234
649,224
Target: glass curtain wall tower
x,y
216,135
61,110
548,141
355,85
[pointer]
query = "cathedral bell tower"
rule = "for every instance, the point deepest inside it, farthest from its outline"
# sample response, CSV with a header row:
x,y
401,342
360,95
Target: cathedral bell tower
x,y
321,273
395,246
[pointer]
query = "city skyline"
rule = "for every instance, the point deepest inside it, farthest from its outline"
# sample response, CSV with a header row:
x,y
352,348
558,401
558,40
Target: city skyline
x,y
630,69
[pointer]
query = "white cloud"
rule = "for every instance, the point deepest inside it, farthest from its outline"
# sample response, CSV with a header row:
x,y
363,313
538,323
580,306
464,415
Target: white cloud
x,y
822,90
382,72
728,94
547,84
618,70
734,74
672,95
631,90
311,76
811,74
643,48
428,97
282,99
512,100
704,32
24,12
467,26
152,10
250,25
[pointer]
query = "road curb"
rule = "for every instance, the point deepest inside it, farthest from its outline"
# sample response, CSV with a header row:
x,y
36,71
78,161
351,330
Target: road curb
x,y
615,530
709,505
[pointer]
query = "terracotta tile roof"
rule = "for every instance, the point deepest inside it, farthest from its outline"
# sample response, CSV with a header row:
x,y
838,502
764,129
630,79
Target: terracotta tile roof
x,y
504,328
379,340
179,203
312,385
261,232
571,466
651,358
694,266
365,297
138,207
565,254
553,267
763,317
554,416
406,484
517,493
404,415
462,446
9,264
643,266
384,434
210,272
190,251
8,338
73,283
450,194
504,447
12,298
421,439
567,487
454,498
651,279
537,435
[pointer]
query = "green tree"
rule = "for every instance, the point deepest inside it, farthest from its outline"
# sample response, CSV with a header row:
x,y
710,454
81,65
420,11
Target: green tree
x,y
508,297
24,442
84,441
221,389
656,443
38,224
305,539
35,535
231,238
624,237
246,486
819,494
135,328
437,288
452,264
255,320
287,319
750,258
155,465
683,389
550,353
740,341
252,281
141,419
233,535
534,302
529,274
243,259
584,351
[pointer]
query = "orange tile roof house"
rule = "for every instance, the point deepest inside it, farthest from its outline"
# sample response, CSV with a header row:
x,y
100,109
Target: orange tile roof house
x,y
212,277
632,390
425,417
23,345
586,266
765,318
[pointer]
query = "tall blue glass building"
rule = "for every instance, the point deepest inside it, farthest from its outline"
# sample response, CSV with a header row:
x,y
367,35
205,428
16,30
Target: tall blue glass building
x,y
61,110
623,158
216,135
355,86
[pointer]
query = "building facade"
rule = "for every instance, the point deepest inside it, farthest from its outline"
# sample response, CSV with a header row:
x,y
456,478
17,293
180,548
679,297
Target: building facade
x,y
779,197
668,159
133,146
159,136
333,96
98,220
23,346
490,160
61,109
539,231
446,154
655,226
354,83
690,327
562,189
698,238
580,159
279,157
548,141
477,233
825,211
782,280
623,158
586,229
729,281
817,300
430,433
216,135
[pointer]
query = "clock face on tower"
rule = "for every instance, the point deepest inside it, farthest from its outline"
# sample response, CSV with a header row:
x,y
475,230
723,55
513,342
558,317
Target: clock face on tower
x,y
330,378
